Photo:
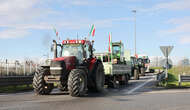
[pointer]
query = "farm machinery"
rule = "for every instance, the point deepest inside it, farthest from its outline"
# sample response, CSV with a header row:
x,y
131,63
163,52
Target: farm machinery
x,y
135,70
117,65
143,63
74,70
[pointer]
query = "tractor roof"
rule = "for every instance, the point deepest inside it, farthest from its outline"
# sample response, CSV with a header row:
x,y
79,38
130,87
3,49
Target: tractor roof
x,y
75,41
117,43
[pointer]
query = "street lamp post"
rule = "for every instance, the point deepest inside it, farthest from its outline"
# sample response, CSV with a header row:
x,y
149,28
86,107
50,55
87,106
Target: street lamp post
x,y
134,11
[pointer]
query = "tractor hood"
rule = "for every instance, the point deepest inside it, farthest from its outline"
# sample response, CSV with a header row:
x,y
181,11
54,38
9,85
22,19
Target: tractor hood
x,y
69,61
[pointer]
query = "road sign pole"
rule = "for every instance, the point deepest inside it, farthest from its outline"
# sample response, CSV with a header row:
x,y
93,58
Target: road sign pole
x,y
166,51
167,63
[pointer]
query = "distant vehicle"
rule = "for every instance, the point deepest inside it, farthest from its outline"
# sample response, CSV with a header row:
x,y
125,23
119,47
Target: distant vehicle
x,y
135,68
144,65
74,70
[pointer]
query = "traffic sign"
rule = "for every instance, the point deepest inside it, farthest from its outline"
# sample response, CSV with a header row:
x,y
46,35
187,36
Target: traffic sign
x,y
166,63
166,50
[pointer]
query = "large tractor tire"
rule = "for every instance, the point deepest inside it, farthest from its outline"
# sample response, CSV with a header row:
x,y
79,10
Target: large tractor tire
x,y
142,71
99,78
39,84
136,74
77,82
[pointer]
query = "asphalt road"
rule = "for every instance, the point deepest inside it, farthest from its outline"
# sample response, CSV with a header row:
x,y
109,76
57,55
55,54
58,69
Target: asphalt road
x,y
138,95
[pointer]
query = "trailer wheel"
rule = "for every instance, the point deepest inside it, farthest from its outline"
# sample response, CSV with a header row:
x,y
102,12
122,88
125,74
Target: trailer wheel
x,y
125,82
39,85
136,74
113,83
77,83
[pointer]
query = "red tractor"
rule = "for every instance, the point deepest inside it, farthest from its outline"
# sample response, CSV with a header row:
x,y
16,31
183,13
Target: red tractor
x,y
75,70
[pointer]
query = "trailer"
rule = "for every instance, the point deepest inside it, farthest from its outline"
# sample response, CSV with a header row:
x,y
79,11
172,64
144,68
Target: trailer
x,y
117,65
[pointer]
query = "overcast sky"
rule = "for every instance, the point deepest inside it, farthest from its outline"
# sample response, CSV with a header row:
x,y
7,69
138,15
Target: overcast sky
x,y
26,26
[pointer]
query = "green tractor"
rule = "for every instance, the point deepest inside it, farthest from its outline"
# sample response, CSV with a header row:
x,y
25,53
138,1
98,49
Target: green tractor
x,y
116,65
118,52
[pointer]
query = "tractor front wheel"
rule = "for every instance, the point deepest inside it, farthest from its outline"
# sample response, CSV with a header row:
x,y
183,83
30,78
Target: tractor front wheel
x,y
39,84
99,78
77,83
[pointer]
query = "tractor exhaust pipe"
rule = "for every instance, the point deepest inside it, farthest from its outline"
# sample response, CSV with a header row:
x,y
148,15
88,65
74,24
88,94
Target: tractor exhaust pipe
x,y
55,48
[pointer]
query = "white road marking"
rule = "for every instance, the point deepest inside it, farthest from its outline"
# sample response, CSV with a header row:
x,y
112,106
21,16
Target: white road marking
x,y
138,87
169,91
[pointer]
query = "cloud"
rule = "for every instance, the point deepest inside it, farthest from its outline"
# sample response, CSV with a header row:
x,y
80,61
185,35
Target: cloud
x,y
13,33
185,40
85,22
180,29
179,20
80,2
181,26
174,5
97,3
22,16
26,15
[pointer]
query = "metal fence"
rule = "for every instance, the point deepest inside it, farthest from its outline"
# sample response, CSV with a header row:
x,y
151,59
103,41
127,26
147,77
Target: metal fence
x,y
26,68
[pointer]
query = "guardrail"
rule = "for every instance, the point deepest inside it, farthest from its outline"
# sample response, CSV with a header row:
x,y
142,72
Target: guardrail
x,y
15,80
183,78
160,76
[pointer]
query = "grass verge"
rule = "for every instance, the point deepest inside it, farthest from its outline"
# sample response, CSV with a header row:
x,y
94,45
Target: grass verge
x,y
14,89
156,68
173,73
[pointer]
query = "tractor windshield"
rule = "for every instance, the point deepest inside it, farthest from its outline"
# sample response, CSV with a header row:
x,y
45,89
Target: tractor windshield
x,y
73,50
116,50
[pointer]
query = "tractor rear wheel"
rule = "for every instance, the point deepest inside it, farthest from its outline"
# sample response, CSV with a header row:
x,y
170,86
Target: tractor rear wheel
x,y
99,78
39,84
77,83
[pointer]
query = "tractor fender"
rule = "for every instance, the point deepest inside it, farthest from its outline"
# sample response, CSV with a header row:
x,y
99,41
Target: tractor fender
x,y
92,69
94,63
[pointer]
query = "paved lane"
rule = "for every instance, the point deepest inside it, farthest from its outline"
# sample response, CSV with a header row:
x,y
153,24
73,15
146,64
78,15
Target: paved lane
x,y
139,95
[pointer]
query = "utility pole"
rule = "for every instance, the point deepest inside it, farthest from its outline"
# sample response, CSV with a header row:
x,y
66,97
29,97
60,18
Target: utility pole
x,y
134,11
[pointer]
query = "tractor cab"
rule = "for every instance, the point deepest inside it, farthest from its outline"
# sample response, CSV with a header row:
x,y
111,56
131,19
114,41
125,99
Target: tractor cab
x,y
77,49
118,51
81,49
